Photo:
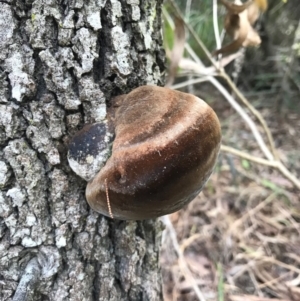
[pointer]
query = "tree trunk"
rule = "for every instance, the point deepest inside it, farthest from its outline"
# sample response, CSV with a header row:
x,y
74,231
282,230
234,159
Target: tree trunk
x,y
60,64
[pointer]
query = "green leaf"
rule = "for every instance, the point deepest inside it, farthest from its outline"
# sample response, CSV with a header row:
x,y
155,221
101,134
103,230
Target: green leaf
x,y
245,164
270,185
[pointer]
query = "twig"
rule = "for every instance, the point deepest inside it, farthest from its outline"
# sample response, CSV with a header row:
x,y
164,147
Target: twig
x,y
275,280
43,266
216,25
187,16
229,81
182,263
271,156
245,116
188,9
28,281
230,99
246,156
235,105
279,263
274,163
255,284
288,174
190,82
252,110
252,211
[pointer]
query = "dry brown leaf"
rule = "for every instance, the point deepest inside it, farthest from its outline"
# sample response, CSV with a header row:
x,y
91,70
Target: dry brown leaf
x,y
177,51
236,8
238,24
238,27
253,13
252,39
262,4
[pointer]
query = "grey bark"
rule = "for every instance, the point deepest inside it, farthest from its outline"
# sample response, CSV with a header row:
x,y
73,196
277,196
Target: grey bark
x,y
60,64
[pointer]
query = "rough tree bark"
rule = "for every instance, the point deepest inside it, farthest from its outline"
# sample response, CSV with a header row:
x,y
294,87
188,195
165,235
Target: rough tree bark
x,y
60,64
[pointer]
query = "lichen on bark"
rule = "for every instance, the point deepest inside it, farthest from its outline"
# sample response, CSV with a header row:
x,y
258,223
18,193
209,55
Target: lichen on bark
x,y
60,64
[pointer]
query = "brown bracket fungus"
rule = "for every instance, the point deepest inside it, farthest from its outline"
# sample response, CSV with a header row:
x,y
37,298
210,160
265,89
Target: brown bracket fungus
x,y
165,147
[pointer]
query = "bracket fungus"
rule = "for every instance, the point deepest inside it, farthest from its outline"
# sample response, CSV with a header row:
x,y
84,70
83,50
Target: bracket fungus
x,y
164,149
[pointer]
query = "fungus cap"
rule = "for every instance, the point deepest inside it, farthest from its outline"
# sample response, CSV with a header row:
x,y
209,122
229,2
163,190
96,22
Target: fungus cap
x,y
165,147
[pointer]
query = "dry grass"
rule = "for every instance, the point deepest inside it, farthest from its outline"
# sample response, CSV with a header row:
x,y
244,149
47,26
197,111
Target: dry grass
x,y
240,237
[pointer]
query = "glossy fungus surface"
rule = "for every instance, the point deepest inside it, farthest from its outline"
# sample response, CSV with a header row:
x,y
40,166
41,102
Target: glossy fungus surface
x,y
165,147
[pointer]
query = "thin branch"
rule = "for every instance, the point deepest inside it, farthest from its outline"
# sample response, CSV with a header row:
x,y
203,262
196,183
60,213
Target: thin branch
x,y
252,211
44,265
227,78
190,82
246,156
182,262
245,116
230,99
188,9
187,16
29,280
273,160
216,25
274,163
288,174
252,110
